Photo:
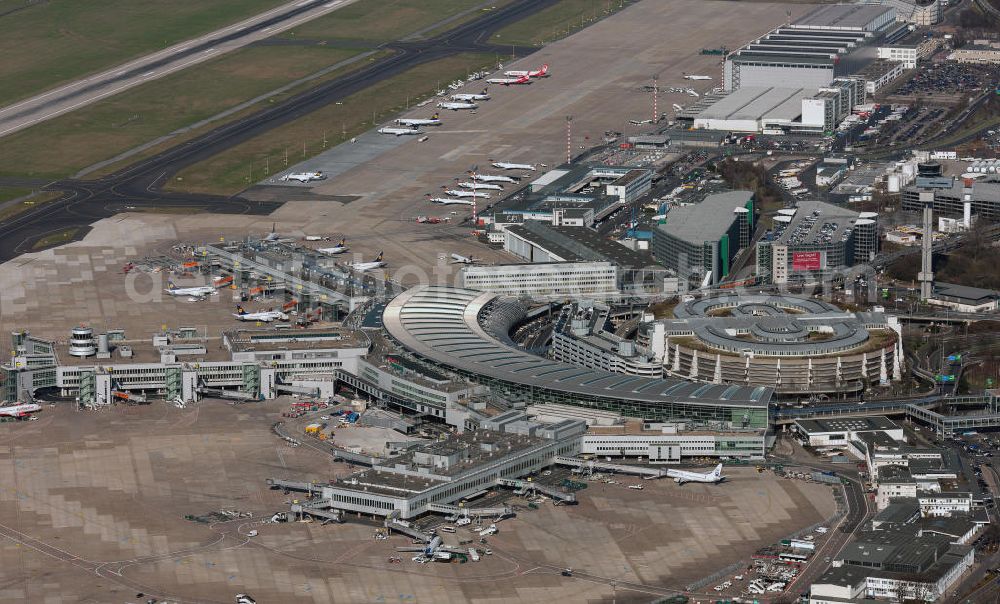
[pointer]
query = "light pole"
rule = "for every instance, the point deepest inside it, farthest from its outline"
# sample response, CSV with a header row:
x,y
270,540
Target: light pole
x,y
569,138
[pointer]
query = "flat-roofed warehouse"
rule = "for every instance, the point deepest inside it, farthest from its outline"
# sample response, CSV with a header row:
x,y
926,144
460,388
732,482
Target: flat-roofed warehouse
x,y
751,107
830,42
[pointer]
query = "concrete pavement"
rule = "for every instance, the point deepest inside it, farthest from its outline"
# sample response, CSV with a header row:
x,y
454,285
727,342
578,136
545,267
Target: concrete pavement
x,y
80,93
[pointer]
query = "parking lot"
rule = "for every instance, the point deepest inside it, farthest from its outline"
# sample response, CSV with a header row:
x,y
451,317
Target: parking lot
x,y
947,82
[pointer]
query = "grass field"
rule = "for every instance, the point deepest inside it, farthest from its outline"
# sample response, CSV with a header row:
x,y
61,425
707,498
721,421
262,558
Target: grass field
x,y
55,239
37,199
380,20
8,193
558,21
237,168
46,43
64,145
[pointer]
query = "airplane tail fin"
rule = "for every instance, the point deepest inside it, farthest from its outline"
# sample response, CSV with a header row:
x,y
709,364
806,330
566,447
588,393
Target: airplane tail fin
x,y
717,473
436,116
379,257
544,69
170,284
343,241
240,310
485,90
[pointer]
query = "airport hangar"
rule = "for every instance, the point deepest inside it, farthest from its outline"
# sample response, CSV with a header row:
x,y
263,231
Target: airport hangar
x,y
466,332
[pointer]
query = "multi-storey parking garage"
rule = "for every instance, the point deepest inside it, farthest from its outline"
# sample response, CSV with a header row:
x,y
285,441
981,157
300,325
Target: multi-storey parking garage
x,y
466,331
797,346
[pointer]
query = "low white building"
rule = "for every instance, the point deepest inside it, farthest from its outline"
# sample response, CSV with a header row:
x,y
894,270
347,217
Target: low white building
x,y
944,504
669,442
964,298
977,55
545,279
840,431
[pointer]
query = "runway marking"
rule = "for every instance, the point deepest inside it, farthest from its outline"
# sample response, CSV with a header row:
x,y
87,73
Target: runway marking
x,y
167,51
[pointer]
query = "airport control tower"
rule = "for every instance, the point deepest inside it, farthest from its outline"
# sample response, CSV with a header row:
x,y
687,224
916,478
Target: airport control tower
x,y
929,180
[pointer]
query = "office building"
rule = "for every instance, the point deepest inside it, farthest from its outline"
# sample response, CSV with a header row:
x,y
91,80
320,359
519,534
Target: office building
x,y
700,241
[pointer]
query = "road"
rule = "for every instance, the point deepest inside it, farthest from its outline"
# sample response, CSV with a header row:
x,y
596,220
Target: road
x,y
138,185
859,509
80,93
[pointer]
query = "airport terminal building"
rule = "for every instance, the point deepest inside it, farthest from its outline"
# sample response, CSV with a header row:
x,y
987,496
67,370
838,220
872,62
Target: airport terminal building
x,y
466,331
799,347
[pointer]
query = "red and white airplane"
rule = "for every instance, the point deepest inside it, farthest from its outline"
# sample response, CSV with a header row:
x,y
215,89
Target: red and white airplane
x,y
533,73
20,411
510,81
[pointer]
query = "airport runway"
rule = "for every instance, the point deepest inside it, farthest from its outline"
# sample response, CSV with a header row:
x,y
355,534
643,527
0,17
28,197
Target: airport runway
x,y
138,185
80,93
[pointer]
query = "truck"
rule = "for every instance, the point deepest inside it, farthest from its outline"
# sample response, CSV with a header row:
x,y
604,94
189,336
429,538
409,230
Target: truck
x,y
474,554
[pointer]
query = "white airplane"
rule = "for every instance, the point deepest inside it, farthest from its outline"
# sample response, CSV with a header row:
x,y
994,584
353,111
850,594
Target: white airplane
x,y
480,185
697,77
535,73
491,178
368,266
197,291
399,131
340,248
510,81
315,238
468,97
428,550
303,176
434,120
273,235
678,107
265,316
693,93
450,201
640,122
682,476
503,165
20,411
457,106
473,194
460,259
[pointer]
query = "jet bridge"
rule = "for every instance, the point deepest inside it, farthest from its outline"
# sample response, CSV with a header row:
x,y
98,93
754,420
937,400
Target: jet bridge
x,y
319,508
590,464
400,526
444,508
235,395
529,485
294,485
301,390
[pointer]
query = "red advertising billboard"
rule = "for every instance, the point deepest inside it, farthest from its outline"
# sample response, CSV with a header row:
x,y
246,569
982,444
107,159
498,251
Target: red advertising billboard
x,y
807,261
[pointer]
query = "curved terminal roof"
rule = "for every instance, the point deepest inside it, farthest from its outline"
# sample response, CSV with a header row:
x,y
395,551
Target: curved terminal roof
x,y
443,324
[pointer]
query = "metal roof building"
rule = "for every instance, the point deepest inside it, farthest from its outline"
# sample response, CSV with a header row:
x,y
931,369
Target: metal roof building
x,y
749,107
830,42
466,331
